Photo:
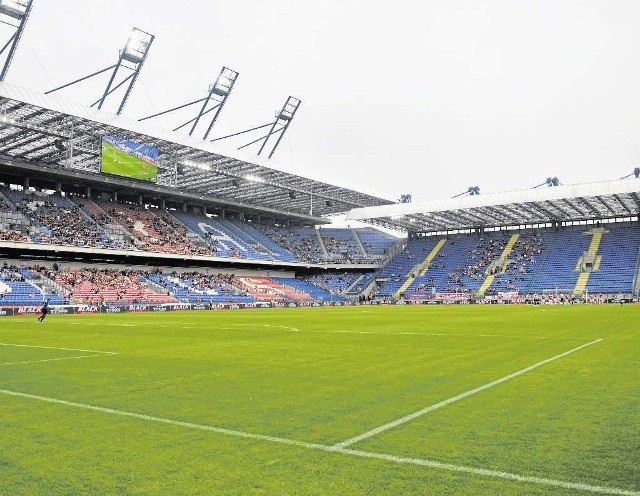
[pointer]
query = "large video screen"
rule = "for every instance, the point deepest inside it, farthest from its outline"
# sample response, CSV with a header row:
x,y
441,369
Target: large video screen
x,y
127,158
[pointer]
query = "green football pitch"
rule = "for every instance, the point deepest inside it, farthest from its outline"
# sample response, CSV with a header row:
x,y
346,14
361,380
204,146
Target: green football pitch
x,y
115,161
447,400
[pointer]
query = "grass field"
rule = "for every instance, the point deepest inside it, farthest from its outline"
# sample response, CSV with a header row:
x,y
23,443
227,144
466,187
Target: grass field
x,y
115,161
506,400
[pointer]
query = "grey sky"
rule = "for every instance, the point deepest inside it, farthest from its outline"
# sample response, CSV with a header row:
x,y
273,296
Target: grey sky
x,y
421,97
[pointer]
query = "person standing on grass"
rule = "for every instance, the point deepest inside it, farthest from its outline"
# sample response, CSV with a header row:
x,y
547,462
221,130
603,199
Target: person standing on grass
x,y
44,311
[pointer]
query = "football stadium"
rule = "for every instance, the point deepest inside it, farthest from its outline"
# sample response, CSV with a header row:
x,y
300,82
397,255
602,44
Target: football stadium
x,y
182,317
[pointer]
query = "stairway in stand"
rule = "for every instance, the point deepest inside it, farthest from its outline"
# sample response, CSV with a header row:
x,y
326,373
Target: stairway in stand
x,y
420,268
583,278
504,257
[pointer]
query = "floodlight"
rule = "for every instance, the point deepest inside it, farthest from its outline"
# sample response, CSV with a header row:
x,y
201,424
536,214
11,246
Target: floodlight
x,y
225,82
137,46
14,8
289,109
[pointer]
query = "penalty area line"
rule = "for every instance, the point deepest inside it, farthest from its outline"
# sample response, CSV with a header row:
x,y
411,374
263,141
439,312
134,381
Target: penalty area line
x,y
333,449
461,396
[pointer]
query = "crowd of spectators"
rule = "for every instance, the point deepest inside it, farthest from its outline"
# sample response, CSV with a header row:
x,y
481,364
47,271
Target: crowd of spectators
x,y
12,235
340,249
521,260
118,240
302,242
9,273
154,232
97,286
333,282
19,281
487,251
7,232
4,205
77,221
200,285
63,226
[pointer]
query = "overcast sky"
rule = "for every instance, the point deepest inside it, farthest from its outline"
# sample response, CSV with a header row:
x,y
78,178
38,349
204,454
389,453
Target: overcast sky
x,y
421,97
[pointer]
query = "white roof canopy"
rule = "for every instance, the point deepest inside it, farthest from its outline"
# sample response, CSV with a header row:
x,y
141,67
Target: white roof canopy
x,y
32,122
600,200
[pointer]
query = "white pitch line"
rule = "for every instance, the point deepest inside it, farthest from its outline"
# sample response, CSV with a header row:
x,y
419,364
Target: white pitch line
x,y
233,326
50,359
357,453
102,324
57,348
466,394
427,334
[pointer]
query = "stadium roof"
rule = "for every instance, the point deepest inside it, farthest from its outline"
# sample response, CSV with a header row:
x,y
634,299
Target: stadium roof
x,y
602,200
32,124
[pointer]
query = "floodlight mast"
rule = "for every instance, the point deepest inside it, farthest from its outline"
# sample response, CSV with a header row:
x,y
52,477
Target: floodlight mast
x,y
636,173
471,191
218,94
16,10
550,182
135,53
221,89
283,119
286,115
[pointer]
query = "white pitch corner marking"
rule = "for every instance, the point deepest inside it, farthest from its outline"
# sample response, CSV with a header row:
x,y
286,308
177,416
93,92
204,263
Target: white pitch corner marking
x,y
344,451
461,396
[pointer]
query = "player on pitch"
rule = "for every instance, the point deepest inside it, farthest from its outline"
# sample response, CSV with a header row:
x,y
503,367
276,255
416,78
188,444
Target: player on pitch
x,y
44,311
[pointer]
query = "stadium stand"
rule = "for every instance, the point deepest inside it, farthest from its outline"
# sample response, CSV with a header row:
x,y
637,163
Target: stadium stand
x,y
224,243
54,219
302,242
524,261
265,289
196,287
94,286
78,221
361,284
341,245
17,288
278,252
402,266
154,231
616,268
119,236
557,268
315,292
375,243
540,260
516,274
334,282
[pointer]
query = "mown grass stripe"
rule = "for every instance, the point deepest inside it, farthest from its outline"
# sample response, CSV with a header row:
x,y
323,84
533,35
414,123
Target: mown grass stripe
x,y
350,452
